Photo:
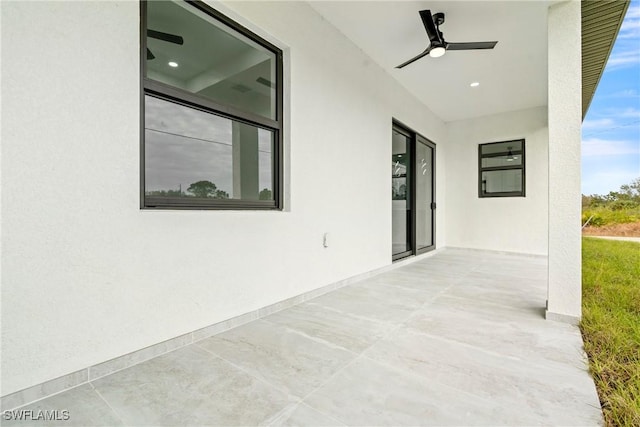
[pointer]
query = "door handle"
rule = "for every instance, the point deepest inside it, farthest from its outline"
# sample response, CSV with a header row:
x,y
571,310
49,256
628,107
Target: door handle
x,y
433,205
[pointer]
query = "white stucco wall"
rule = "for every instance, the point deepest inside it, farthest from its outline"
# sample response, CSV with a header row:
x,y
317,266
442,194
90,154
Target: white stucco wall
x,y
88,276
565,120
514,224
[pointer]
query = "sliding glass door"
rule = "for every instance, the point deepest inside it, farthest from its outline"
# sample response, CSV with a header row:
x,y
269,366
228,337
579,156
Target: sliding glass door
x,y
413,193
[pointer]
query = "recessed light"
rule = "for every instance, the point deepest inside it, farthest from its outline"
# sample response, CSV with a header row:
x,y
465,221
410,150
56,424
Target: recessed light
x,y
173,64
475,84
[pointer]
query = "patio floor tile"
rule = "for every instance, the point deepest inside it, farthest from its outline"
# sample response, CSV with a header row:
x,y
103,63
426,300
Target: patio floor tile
x,y
457,338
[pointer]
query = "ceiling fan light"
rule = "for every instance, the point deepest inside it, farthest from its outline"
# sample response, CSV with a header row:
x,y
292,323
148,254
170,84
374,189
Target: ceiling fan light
x,y
437,52
510,157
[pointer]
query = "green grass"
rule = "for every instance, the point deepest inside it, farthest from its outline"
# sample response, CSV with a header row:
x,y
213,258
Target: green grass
x,y
611,325
605,216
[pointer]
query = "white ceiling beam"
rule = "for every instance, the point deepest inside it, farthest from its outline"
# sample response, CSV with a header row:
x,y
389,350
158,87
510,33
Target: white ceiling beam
x,y
226,70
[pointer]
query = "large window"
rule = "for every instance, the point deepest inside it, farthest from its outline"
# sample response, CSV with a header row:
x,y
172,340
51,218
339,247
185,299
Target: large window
x,y
212,111
501,169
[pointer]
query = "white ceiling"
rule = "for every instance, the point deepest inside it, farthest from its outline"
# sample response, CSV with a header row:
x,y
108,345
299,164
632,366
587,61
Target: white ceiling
x,y
513,76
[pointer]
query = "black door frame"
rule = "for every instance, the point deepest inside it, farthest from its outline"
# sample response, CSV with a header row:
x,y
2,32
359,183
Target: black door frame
x,y
414,139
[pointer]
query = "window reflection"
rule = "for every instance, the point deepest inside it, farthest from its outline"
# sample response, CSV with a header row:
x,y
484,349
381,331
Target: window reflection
x,y
502,169
190,50
190,153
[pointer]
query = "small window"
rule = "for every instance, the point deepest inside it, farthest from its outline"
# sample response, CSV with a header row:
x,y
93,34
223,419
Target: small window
x,y
212,111
501,169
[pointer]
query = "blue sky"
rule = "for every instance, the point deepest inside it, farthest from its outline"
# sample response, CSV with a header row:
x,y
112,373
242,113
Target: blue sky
x,y
611,129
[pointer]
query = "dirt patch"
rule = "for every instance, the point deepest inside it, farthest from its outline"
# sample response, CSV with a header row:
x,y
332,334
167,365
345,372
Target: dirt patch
x,y
622,230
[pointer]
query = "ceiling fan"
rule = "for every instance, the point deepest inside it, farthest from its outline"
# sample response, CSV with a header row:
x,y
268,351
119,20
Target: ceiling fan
x,y
438,46
171,38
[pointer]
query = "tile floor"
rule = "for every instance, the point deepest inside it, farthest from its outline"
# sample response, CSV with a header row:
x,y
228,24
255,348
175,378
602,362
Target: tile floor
x,y
455,339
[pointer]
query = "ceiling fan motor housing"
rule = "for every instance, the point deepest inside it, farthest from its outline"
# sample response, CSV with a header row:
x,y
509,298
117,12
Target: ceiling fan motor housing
x,y
438,18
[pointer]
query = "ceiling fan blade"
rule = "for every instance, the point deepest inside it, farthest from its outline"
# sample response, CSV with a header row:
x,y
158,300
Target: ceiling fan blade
x,y
471,45
423,54
150,55
429,25
171,38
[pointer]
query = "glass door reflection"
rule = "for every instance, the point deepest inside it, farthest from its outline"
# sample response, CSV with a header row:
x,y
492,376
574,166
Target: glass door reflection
x,y
425,201
401,194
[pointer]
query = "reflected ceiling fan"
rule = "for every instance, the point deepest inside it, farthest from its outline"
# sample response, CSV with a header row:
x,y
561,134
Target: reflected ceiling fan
x,y
437,45
171,38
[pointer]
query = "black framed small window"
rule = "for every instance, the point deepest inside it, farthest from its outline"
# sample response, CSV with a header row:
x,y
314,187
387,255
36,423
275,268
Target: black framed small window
x,y
211,111
501,169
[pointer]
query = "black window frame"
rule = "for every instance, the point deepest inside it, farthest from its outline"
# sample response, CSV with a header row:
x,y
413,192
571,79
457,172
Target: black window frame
x,y
149,87
521,166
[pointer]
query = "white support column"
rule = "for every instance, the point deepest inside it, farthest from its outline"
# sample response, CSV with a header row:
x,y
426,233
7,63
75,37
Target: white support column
x,y
245,161
564,296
